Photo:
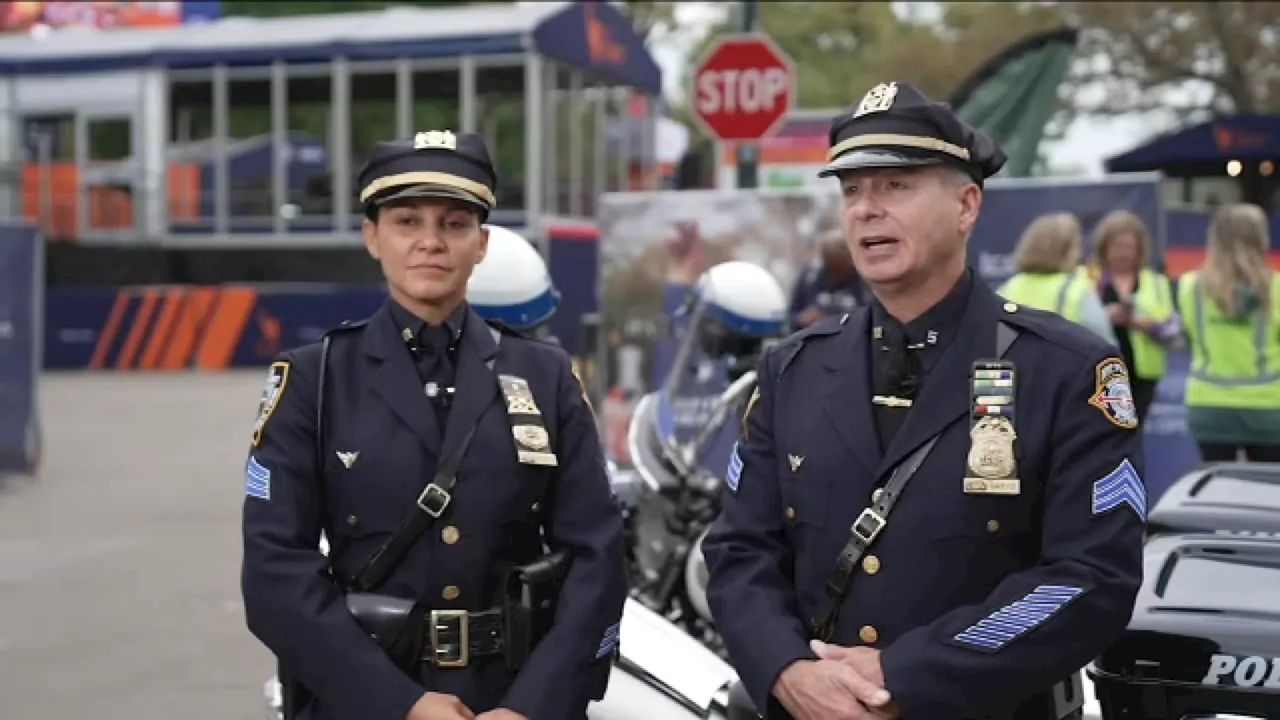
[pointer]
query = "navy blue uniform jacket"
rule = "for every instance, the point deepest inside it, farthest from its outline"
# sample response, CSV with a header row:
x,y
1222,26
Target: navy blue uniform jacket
x,y
978,601
375,405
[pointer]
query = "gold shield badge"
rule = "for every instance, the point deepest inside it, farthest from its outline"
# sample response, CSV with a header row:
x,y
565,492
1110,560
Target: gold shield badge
x,y
992,467
877,99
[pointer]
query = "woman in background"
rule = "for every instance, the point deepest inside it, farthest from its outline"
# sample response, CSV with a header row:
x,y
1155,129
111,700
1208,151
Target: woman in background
x,y
1231,308
1047,274
1138,300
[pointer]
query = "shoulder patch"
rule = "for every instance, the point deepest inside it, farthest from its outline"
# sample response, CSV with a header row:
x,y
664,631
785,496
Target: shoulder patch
x,y
277,379
1112,394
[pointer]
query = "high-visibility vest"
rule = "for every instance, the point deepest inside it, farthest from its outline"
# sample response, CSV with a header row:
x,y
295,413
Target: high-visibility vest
x,y
1234,363
1056,292
1153,301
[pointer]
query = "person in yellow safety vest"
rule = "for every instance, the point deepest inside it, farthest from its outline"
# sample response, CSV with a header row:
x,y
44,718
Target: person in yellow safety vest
x,y
1048,276
1231,308
1139,301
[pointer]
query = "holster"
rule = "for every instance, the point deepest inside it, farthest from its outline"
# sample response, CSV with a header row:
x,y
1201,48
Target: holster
x,y
395,624
530,598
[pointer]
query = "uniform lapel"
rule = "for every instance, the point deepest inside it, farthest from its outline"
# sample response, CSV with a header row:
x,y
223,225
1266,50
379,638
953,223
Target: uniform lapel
x,y
477,385
945,395
395,380
847,389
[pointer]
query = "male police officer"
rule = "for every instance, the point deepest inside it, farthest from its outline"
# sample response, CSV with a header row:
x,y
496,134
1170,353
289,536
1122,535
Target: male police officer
x,y
1014,556
407,392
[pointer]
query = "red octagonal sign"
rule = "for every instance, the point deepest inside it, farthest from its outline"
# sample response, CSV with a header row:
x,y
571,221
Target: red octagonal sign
x,y
743,87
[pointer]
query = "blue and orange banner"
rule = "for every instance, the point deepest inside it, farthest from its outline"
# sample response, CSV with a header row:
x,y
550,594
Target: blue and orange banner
x,y
191,327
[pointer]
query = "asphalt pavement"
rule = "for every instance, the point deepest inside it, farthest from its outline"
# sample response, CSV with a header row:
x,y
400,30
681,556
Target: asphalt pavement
x,y
119,564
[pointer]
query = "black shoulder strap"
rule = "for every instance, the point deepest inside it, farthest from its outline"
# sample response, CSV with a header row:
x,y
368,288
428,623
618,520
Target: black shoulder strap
x,y
873,520
431,503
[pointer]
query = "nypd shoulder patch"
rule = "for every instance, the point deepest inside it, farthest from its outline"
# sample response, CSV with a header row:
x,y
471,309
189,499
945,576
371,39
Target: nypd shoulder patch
x,y
1122,486
1113,395
277,379
734,473
257,480
1003,626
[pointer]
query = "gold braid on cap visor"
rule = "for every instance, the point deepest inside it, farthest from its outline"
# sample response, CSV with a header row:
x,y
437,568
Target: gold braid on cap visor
x,y
891,140
428,178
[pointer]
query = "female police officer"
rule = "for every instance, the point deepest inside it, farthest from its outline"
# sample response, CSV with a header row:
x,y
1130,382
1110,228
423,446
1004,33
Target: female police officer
x,y
434,454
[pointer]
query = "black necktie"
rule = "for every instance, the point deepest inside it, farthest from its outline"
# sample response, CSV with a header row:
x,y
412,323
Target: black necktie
x,y
895,376
435,367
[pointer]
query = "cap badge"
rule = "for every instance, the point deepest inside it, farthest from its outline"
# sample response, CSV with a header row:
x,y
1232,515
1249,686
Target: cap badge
x,y
878,99
437,140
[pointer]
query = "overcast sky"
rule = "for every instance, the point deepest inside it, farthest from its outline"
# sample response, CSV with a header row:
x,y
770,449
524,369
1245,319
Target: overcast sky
x,y
1086,145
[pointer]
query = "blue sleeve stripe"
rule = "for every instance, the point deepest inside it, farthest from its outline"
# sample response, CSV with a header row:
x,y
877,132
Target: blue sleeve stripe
x,y
1015,619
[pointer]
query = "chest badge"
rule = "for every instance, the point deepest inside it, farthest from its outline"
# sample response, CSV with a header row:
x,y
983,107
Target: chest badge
x,y
992,467
348,458
795,461
533,443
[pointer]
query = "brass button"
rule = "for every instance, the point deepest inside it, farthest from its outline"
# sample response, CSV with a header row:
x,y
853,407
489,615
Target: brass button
x,y
791,513
868,634
993,525
871,564
1011,307
353,520
450,535
875,496
451,592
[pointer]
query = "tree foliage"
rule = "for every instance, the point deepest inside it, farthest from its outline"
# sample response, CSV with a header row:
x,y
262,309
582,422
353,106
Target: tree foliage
x,y
1134,56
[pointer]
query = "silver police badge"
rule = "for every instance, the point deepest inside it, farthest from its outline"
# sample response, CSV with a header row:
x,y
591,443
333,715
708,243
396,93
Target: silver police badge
x,y
531,437
992,467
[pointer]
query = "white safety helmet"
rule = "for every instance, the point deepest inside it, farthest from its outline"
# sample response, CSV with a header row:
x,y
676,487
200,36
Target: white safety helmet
x,y
512,285
743,299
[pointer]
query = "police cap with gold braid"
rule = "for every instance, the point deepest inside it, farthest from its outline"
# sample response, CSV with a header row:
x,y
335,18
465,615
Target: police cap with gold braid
x,y
895,125
437,163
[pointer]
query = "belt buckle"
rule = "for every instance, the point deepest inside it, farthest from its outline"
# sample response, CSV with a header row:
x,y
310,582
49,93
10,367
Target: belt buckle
x,y
875,522
433,500
441,620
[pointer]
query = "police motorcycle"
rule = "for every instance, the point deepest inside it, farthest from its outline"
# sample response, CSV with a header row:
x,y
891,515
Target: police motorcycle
x,y
1204,638
681,437
662,673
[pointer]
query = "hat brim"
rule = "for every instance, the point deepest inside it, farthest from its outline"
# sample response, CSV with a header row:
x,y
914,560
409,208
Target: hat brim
x,y
412,192
878,158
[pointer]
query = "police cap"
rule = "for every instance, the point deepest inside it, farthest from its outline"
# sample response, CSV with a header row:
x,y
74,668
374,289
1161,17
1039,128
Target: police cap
x,y
437,163
895,125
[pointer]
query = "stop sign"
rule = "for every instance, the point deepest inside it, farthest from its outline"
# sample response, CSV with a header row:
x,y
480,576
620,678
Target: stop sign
x,y
742,88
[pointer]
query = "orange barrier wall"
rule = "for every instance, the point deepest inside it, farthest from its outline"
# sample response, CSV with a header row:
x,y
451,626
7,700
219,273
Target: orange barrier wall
x,y
110,208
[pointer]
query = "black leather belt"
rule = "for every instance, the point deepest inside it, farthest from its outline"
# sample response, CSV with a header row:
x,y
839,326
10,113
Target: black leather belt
x,y
456,636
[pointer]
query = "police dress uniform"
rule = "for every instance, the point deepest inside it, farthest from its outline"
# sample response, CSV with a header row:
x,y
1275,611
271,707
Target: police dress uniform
x,y
397,398
1010,557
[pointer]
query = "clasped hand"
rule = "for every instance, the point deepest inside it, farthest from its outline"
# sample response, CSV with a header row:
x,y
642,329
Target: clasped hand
x,y
441,706
842,684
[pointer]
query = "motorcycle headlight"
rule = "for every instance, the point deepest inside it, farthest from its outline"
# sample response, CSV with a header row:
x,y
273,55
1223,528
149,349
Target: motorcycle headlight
x,y
696,577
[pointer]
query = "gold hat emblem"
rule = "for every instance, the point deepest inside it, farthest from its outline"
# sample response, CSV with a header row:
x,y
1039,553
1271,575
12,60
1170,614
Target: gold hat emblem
x,y
878,99
435,140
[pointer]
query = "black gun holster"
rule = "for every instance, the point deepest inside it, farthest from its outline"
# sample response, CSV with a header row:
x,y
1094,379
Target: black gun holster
x,y
396,624
530,598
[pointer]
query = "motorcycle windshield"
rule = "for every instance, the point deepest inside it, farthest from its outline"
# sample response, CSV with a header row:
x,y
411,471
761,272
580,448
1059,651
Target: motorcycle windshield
x,y
695,419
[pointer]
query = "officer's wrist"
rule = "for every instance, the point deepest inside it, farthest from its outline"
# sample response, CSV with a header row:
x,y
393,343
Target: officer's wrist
x,y
783,686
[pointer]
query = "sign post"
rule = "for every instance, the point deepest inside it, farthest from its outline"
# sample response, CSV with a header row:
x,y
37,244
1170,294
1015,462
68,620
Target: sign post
x,y
743,88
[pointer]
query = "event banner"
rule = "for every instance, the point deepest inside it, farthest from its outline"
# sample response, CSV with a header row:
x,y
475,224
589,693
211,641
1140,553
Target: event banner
x,y
20,292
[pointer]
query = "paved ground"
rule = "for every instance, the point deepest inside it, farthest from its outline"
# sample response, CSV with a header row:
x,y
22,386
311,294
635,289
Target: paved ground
x,y
119,587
